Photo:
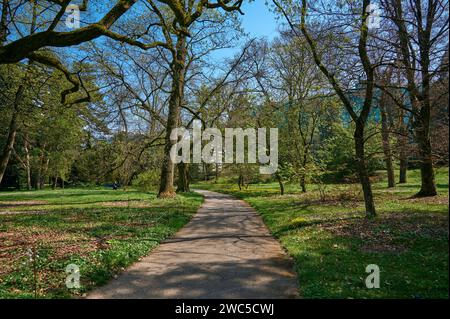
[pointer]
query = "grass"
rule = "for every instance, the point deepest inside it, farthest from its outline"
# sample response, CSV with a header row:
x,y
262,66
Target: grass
x,y
101,231
332,243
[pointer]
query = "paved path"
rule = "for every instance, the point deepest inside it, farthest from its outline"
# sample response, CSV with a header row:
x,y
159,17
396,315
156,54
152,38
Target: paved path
x,y
225,251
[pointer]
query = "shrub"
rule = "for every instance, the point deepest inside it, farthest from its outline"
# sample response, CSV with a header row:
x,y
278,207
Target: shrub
x,y
147,181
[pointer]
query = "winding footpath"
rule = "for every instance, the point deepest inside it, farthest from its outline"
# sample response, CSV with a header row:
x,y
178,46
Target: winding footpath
x,y
225,251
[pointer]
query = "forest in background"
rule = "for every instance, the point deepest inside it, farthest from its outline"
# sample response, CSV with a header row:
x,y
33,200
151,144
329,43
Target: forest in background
x,y
348,100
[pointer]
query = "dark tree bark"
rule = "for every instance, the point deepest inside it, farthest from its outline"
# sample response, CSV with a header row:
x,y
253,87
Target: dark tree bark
x,y
403,179
419,94
183,178
403,150
166,189
280,182
3,21
362,171
240,181
385,136
428,185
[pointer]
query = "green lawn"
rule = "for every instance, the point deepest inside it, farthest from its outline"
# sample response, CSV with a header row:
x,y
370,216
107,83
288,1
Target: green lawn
x,y
101,231
332,243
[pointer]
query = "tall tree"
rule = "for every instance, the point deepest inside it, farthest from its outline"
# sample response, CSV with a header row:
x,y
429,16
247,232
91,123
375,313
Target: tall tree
x,y
422,31
367,67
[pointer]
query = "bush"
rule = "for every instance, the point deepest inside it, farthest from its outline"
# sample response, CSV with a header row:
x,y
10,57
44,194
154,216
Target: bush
x,y
147,181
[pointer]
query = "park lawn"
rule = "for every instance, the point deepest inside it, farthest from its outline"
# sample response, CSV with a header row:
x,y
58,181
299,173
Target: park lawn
x,y
101,231
332,243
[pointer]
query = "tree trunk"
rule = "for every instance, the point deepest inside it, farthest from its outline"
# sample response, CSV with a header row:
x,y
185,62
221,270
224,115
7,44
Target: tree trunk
x,y
183,178
428,187
240,181
55,182
280,182
44,174
166,189
38,178
4,22
387,145
303,183
12,132
363,172
403,156
403,170
27,161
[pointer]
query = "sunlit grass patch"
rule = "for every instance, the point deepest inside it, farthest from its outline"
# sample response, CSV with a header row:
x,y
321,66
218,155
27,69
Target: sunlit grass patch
x,y
101,231
332,242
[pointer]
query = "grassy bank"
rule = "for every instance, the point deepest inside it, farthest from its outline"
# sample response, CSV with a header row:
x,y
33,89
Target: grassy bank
x,y
331,242
101,231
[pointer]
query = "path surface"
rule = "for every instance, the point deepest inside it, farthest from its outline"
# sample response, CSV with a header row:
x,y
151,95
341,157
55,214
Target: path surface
x,y
225,251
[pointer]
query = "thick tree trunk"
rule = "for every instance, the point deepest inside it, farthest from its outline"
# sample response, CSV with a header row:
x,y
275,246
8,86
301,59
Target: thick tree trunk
x,y
363,172
12,132
385,136
183,178
403,171
428,187
166,189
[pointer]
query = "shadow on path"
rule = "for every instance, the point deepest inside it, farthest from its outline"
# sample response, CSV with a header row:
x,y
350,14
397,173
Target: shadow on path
x,y
225,251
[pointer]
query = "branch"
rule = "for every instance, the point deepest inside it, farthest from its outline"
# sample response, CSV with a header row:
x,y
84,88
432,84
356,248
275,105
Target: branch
x,y
20,49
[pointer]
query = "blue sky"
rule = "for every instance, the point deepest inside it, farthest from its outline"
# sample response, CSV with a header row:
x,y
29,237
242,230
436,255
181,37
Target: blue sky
x,y
258,20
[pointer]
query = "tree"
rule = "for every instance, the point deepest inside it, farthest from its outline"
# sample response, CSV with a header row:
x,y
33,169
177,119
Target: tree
x,y
185,14
22,47
422,32
366,67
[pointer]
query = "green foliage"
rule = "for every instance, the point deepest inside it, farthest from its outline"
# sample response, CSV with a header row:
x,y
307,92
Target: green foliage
x,y
336,156
147,181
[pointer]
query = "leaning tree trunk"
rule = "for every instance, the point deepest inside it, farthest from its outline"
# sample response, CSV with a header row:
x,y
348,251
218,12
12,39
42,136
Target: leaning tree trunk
x,y
387,146
363,171
166,189
12,132
183,178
